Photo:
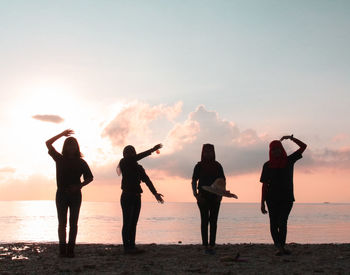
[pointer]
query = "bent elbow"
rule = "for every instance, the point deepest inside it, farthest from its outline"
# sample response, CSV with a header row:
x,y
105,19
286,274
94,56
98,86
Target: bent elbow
x,y
303,147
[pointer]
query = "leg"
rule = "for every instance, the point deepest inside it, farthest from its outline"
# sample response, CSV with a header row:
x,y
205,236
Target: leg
x,y
274,221
74,209
136,208
62,208
286,207
213,219
126,205
204,211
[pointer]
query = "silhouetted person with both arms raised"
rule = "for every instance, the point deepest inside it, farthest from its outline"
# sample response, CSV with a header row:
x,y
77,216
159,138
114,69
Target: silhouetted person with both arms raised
x,y
69,168
132,175
208,172
277,189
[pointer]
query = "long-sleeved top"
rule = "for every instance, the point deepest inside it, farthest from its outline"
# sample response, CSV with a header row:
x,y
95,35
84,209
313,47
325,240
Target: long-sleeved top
x,y
133,173
69,170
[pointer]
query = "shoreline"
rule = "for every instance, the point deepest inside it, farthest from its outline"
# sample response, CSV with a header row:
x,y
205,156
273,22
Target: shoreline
x,y
42,258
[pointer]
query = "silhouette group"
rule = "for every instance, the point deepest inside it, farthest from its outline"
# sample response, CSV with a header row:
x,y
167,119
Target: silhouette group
x,y
208,186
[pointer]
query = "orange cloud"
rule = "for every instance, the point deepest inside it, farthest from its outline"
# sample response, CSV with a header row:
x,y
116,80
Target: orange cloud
x,y
49,118
132,124
7,170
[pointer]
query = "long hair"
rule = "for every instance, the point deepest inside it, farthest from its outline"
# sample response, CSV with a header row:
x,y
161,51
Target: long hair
x,y
280,161
208,162
129,151
67,142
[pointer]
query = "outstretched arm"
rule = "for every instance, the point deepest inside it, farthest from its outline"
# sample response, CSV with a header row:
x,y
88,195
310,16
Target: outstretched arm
x,y
65,133
151,187
148,152
302,145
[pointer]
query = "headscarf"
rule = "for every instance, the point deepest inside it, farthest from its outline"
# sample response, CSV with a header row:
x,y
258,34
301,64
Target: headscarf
x,y
208,153
280,161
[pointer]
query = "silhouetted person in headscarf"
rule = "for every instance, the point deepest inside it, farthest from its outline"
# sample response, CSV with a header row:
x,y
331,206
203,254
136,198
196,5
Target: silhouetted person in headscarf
x,y
206,172
69,168
277,189
132,175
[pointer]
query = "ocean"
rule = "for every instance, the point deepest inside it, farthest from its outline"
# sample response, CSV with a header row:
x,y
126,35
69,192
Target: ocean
x,y
172,223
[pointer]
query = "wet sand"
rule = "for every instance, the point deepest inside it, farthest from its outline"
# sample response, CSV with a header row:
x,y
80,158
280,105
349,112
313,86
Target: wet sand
x,y
42,258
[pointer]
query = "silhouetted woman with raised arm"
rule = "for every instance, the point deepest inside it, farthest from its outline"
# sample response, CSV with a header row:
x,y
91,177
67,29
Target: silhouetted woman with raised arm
x,y
210,176
277,189
132,175
69,168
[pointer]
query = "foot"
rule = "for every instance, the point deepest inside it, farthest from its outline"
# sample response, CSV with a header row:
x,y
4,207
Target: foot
x,y
62,250
70,251
286,251
280,251
134,251
210,251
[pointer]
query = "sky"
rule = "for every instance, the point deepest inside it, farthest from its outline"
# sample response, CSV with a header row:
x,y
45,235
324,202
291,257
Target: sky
x,y
237,74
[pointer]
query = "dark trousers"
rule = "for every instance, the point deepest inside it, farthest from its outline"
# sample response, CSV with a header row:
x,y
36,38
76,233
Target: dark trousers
x,y
279,213
209,210
63,202
131,206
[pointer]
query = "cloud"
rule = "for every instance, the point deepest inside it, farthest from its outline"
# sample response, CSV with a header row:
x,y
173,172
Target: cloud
x,y
340,138
240,151
132,124
335,158
7,170
49,118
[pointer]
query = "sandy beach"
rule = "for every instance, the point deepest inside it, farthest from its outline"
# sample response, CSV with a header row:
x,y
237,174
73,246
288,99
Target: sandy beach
x,y
42,258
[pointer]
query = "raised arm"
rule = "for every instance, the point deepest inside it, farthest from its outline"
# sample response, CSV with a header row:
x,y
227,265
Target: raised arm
x,y
302,145
65,133
148,152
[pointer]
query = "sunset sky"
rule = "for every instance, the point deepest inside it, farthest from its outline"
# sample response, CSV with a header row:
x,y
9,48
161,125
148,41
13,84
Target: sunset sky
x,y
236,74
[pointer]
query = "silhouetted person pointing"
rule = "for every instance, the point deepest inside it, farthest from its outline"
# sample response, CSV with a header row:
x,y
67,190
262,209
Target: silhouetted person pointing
x,y
277,189
69,168
132,175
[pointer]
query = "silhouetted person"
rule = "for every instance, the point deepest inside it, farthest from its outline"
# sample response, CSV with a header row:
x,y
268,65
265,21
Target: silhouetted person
x,y
277,189
69,168
132,175
207,172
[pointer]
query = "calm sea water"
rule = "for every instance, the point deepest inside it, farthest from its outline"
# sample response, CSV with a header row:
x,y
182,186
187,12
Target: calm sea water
x,y
173,222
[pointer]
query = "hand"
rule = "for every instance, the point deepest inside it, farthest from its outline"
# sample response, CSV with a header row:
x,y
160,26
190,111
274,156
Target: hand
x,y
263,209
67,132
158,146
286,137
159,197
233,196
